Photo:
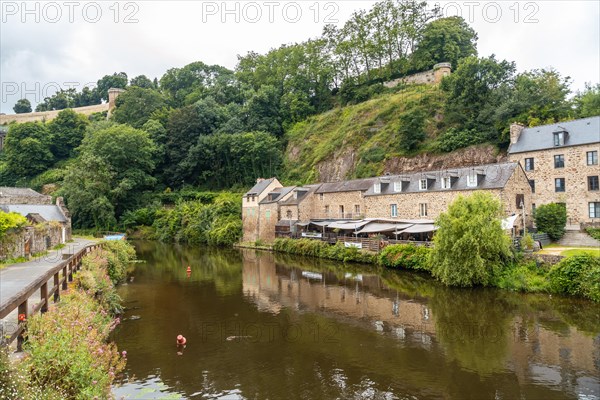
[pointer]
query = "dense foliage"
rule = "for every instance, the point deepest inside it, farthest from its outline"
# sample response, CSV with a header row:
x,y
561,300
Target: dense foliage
x,y
406,256
10,221
318,248
470,247
551,219
578,275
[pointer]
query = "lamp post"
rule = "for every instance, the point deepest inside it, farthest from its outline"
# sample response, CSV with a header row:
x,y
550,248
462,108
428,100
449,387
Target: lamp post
x,y
523,212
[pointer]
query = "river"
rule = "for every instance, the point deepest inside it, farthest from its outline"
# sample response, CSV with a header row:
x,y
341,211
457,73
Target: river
x,y
271,326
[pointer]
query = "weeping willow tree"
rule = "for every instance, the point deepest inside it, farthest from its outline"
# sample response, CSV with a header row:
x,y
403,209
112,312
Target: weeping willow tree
x,y
470,245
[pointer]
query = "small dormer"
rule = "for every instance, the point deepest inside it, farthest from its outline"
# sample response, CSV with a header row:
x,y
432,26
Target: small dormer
x,y
427,181
560,136
475,177
377,187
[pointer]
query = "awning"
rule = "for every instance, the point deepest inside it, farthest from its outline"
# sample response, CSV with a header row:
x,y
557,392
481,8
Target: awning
x,y
347,225
420,228
508,223
303,223
319,223
375,227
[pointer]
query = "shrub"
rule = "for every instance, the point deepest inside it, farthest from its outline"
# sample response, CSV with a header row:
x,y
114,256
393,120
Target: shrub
x,y
406,256
551,219
67,349
470,245
593,232
317,248
527,241
578,275
526,277
454,139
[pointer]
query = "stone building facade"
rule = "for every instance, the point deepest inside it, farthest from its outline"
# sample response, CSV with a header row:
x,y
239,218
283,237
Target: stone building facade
x,y
416,196
561,162
49,224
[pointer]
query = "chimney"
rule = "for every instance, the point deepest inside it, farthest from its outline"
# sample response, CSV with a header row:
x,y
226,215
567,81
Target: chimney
x,y
515,132
259,180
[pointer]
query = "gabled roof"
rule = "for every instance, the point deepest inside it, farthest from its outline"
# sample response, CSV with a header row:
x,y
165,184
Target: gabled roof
x,y
347,186
260,186
35,218
46,211
491,176
580,131
307,189
6,191
278,193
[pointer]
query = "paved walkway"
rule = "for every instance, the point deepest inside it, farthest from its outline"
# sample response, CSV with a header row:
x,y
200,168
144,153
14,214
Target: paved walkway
x,y
15,277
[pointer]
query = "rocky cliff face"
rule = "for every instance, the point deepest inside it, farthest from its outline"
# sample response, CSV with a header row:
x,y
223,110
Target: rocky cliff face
x,y
344,162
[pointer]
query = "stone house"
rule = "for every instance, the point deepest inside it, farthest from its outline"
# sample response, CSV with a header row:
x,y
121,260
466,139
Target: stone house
x,y
49,223
269,208
561,161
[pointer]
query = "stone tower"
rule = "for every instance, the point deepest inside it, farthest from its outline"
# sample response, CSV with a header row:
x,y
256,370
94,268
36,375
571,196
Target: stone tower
x,y
113,93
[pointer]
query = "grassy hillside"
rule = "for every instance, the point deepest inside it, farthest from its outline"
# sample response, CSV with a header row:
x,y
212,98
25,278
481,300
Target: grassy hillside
x,y
356,140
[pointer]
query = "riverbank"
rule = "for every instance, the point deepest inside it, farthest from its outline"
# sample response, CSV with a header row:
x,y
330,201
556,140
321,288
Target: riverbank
x,y
577,275
66,351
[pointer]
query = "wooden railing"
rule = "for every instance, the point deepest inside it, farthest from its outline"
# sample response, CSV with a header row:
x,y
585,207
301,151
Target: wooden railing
x,y
21,300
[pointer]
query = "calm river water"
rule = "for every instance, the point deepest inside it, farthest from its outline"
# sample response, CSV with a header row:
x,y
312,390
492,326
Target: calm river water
x,y
265,326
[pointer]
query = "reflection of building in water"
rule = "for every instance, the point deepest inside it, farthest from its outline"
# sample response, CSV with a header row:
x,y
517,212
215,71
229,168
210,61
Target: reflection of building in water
x,y
370,303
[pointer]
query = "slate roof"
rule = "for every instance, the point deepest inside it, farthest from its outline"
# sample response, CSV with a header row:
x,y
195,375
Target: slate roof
x,y
281,192
490,176
46,211
307,189
260,186
6,191
580,131
347,186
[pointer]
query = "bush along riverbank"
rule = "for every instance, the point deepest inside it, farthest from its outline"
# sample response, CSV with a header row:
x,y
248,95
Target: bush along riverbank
x,y
67,353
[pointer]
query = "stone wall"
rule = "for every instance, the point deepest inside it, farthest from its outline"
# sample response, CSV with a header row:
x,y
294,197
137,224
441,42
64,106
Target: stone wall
x,y
49,115
267,218
250,224
518,184
32,240
348,200
430,77
575,172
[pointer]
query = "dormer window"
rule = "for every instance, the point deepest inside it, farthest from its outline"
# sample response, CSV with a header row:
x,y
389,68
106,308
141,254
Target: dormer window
x,y
472,180
423,184
559,138
377,188
446,183
397,186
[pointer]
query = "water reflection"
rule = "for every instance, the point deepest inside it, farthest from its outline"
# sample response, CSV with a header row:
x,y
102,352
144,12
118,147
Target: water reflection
x,y
260,325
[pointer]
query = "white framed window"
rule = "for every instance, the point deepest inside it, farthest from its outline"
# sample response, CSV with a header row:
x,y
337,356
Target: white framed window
x,y
394,210
592,157
321,196
423,184
423,209
397,186
377,188
446,183
559,138
472,180
594,209
357,209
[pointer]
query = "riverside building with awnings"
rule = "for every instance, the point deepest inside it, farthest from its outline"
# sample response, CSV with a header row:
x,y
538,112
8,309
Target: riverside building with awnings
x,y
402,206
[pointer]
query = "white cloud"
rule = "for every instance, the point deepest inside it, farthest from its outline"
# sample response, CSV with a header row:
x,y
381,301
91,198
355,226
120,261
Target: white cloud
x,y
174,33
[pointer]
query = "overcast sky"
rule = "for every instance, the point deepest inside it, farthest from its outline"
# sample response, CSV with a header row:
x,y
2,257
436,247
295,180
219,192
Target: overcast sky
x,y
44,45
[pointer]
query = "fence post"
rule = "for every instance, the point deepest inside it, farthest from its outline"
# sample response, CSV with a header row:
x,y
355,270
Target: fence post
x,y
44,297
57,286
70,270
64,285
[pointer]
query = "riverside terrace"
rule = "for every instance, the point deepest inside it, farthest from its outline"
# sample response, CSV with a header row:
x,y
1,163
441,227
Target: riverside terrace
x,y
270,210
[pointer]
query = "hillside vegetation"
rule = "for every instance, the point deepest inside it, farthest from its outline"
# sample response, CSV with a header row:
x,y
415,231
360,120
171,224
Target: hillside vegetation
x,y
366,134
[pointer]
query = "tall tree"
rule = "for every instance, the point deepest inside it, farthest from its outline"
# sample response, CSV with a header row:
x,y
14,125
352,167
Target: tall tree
x,y
66,132
116,80
136,105
22,106
587,103
27,149
445,40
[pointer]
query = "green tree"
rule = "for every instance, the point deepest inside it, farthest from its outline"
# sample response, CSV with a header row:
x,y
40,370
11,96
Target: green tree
x,y
551,219
136,105
470,245
66,131
22,106
10,221
142,81
445,40
412,130
124,159
116,80
587,103
87,190
27,149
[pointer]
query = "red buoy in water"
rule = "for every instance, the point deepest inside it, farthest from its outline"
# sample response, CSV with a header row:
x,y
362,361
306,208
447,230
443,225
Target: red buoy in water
x,y
181,340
